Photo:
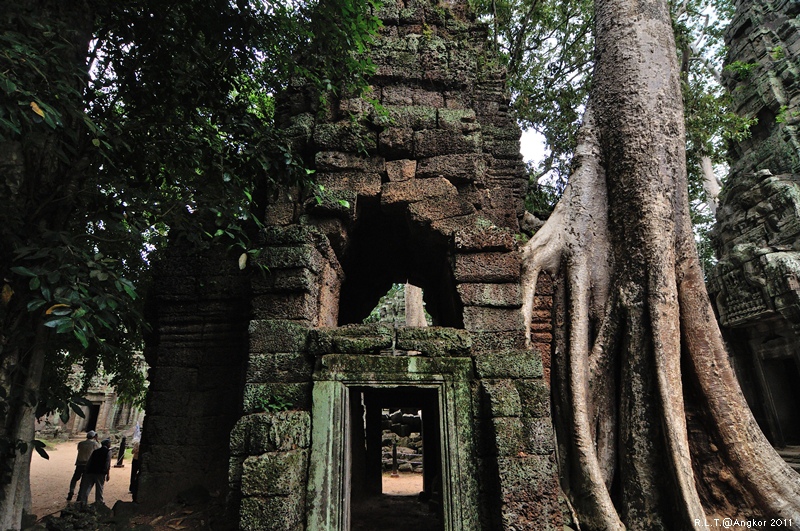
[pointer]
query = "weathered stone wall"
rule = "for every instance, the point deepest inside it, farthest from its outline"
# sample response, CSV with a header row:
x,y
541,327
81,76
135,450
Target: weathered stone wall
x,y
762,70
756,284
197,352
425,187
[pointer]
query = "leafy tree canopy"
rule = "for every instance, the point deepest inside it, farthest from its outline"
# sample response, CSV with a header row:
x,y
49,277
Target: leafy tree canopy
x,y
548,47
122,121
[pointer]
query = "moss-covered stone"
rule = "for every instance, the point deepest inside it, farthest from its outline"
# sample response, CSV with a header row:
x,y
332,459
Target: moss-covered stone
x,y
275,335
345,136
275,473
493,319
458,120
289,257
502,295
370,338
266,396
283,281
509,364
280,431
413,117
282,368
535,397
434,341
486,341
516,436
502,398
378,368
302,306
273,514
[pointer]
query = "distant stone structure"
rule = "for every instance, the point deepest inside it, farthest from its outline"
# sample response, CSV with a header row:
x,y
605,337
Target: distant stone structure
x,y
425,186
756,284
104,413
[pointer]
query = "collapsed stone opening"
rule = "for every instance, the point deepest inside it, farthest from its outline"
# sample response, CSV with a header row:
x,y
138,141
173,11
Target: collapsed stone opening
x,y
370,506
402,305
385,249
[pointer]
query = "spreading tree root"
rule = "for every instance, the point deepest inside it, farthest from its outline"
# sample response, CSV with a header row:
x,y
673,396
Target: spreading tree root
x,y
621,349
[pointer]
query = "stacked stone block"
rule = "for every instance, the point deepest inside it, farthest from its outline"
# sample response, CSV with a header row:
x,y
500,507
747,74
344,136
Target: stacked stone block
x,y
518,445
761,73
294,289
435,150
197,352
755,284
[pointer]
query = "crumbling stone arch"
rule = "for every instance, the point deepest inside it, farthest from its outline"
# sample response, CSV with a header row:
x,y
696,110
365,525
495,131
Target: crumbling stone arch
x,y
426,187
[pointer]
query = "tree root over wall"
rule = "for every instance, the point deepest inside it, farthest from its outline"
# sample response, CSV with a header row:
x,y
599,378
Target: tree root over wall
x,y
653,430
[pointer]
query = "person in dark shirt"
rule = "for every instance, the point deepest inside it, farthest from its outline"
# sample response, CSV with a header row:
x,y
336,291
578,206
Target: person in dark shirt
x,y
96,474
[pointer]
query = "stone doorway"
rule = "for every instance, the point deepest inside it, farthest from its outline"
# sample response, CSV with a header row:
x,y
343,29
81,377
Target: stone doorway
x,y
91,417
345,483
370,506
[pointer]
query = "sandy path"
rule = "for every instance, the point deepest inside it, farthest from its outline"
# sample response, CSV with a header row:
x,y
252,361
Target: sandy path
x,y
50,480
405,485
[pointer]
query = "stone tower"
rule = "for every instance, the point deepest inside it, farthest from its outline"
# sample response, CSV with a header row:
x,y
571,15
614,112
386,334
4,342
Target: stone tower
x,y
756,284
266,380
421,182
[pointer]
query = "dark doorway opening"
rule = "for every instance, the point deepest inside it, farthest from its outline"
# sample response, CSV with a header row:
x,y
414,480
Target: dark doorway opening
x,y
91,417
384,251
782,377
407,408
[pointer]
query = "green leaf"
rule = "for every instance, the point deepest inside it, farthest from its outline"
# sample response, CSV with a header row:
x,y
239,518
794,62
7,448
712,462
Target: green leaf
x,y
24,271
78,411
82,401
53,323
34,283
81,336
39,446
64,416
7,85
35,304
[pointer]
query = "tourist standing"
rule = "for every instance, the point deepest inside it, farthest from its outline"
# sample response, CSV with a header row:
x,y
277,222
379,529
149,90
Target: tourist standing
x,y
97,472
134,486
85,449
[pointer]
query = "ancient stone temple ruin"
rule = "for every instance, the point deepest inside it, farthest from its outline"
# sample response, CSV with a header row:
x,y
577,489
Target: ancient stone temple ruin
x,y
756,285
267,381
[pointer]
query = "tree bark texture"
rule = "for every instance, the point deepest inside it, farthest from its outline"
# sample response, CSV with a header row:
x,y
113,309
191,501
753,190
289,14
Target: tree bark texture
x,y
639,351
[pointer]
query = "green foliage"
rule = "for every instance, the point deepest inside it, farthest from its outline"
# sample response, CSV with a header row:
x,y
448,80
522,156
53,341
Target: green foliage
x,y
375,315
271,404
741,70
547,47
123,125
541,197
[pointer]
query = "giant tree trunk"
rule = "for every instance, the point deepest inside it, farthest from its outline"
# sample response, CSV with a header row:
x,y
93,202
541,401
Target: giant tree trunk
x,y
21,383
638,350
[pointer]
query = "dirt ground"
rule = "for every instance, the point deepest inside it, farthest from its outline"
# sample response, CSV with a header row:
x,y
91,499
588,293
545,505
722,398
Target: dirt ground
x,y
405,485
50,483
50,480
398,509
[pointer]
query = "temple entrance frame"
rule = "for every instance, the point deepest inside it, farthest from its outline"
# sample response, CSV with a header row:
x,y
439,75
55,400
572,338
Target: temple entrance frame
x,y
330,471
